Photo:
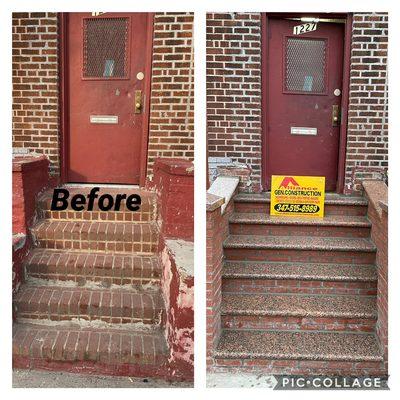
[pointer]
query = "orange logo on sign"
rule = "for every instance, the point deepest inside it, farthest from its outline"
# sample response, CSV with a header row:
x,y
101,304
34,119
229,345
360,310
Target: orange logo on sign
x,y
287,181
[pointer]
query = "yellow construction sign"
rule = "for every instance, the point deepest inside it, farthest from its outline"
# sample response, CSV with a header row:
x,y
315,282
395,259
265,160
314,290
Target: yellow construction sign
x,y
297,195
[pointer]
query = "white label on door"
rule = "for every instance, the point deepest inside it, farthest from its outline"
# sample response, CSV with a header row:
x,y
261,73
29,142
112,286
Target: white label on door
x,y
104,119
296,130
304,28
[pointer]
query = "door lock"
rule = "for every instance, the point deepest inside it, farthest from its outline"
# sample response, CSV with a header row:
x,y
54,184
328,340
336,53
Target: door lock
x,y
335,116
138,101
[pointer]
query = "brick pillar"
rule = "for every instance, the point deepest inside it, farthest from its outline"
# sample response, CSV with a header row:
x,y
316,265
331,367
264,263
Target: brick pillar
x,y
30,176
174,183
217,231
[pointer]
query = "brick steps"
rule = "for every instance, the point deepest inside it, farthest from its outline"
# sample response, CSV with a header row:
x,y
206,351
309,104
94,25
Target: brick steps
x,y
79,266
121,237
115,352
111,306
146,213
334,204
91,301
299,248
313,346
305,278
330,226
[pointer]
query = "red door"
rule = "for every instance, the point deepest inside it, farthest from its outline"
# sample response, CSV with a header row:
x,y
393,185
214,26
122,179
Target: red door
x,y
304,82
108,75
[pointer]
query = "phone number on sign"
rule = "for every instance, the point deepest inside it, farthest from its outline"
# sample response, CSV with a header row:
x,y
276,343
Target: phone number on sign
x,y
297,208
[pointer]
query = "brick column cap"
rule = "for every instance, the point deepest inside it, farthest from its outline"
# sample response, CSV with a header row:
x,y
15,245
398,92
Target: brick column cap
x,y
23,163
174,166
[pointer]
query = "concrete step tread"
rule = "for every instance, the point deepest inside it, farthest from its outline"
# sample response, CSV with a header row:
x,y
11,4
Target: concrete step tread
x,y
238,344
328,220
317,306
80,265
330,198
299,243
110,305
55,343
300,271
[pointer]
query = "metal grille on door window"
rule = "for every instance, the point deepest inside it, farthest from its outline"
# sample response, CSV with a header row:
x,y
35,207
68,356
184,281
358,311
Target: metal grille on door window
x,y
305,65
105,47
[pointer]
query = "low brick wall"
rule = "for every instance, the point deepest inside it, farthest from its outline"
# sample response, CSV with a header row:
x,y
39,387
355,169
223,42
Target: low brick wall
x,y
377,194
174,184
30,176
217,232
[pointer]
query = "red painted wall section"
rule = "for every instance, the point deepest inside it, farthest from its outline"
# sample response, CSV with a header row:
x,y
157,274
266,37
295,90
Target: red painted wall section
x,y
174,183
377,194
177,285
30,176
217,232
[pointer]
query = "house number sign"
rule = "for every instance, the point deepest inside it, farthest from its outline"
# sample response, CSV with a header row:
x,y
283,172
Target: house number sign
x,y
304,28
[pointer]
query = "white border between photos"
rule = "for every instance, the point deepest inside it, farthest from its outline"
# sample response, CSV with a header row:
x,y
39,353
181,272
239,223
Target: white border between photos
x,y
200,7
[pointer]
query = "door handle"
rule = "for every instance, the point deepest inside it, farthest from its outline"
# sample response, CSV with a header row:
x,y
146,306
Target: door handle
x,y
335,115
138,102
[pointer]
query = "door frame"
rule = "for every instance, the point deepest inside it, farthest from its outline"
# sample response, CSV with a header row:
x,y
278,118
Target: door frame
x,y
63,58
345,90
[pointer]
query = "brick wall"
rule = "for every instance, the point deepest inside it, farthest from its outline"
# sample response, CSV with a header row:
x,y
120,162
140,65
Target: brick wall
x,y
172,102
234,94
234,89
35,87
217,232
35,84
377,194
367,135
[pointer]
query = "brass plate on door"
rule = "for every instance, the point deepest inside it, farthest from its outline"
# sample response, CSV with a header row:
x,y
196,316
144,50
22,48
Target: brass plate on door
x,y
138,101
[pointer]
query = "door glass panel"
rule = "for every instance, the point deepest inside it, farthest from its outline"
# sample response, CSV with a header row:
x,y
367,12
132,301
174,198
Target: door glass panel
x,y
305,65
105,47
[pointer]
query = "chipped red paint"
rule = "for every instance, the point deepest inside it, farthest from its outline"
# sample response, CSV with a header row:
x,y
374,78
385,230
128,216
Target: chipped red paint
x,y
178,293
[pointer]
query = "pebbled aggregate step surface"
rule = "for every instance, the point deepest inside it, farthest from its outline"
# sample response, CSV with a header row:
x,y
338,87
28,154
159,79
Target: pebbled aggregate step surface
x,y
301,271
286,345
299,243
339,306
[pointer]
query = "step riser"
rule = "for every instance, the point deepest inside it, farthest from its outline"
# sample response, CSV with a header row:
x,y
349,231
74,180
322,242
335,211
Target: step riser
x,y
330,209
107,269
84,351
124,238
297,323
145,215
303,367
295,255
90,306
298,230
265,286
94,245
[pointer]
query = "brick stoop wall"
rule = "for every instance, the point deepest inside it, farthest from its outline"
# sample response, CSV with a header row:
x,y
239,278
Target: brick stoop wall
x,y
36,103
377,195
234,98
295,296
